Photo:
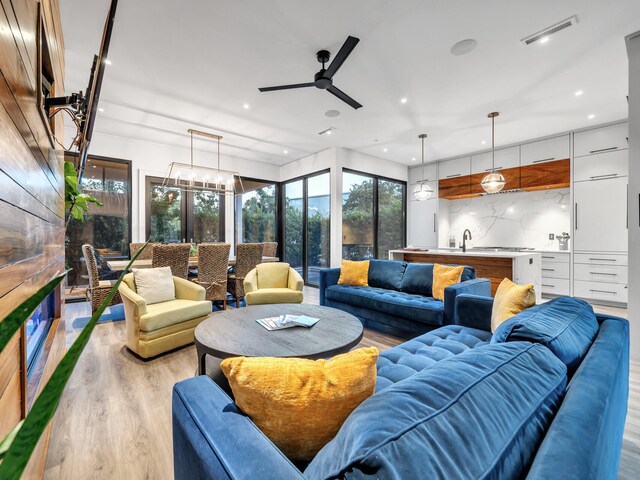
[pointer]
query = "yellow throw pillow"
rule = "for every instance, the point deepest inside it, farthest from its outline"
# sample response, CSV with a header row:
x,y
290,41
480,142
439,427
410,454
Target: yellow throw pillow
x,y
301,404
510,300
354,273
444,276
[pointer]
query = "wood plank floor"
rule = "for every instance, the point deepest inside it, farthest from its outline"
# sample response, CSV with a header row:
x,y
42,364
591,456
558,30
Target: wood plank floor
x,y
114,420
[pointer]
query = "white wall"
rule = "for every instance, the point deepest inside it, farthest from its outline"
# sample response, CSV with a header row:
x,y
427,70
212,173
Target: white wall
x,y
633,48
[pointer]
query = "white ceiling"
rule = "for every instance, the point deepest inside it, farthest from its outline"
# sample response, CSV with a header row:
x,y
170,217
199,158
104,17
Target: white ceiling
x,y
178,64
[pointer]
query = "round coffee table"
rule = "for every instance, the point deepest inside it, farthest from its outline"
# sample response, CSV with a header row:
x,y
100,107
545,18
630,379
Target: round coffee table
x,y
235,333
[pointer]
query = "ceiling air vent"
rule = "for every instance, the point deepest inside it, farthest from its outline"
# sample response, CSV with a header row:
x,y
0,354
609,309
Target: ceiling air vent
x,y
549,30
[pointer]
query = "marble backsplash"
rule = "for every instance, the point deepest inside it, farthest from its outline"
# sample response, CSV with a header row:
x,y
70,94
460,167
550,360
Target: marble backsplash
x,y
518,219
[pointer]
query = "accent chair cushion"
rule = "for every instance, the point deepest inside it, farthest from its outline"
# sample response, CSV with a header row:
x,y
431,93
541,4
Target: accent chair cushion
x,y
165,314
155,285
301,404
272,275
444,276
386,274
479,414
510,300
567,326
274,295
354,273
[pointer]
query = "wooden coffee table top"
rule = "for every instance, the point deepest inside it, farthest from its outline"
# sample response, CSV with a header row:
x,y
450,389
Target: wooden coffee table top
x,y
235,332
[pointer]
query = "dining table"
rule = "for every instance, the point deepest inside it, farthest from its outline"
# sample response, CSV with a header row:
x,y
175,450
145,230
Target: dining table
x,y
120,265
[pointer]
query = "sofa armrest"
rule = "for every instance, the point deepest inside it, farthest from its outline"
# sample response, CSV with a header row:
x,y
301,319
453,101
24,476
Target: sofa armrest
x,y
473,311
476,286
136,301
251,281
213,439
186,290
328,277
295,281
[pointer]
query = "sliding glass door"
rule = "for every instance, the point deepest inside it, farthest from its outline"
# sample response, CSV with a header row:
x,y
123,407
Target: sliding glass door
x,y
373,215
307,225
255,209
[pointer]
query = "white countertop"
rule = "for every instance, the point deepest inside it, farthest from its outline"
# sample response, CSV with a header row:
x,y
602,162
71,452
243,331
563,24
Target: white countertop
x,y
472,253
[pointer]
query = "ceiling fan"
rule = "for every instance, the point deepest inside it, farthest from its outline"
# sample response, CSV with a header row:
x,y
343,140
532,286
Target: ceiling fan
x,y
324,78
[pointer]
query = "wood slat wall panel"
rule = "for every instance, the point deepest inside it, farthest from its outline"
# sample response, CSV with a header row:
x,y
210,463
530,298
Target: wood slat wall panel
x,y
9,363
10,404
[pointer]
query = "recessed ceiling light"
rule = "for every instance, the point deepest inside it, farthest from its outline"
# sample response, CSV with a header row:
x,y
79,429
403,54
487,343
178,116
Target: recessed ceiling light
x,y
544,39
246,106
403,100
484,142
285,151
591,116
328,132
101,109
578,93
463,47
331,113
107,61
413,159
385,149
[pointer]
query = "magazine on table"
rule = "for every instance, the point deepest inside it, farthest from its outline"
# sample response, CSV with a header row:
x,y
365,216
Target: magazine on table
x,y
287,321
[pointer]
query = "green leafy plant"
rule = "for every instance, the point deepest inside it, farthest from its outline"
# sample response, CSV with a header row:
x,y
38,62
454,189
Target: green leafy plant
x,y
17,447
76,202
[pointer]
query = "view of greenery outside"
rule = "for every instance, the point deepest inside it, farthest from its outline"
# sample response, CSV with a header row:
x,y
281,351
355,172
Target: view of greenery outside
x,y
390,217
256,211
166,214
206,216
293,224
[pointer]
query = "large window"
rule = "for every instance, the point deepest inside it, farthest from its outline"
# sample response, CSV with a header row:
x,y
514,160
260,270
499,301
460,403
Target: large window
x,y
256,216
107,228
177,215
307,219
373,215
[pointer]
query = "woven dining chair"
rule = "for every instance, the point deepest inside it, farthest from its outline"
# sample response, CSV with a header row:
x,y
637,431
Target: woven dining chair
x,y
248,256
98,289
213,261
174,255
270,249
147,253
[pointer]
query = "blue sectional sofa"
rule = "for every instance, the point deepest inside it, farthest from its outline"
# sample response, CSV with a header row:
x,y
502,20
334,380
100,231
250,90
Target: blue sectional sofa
x,y
544,397
398,299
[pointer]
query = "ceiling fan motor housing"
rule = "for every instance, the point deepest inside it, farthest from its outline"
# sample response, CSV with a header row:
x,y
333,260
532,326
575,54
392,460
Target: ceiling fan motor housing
x,y
321,82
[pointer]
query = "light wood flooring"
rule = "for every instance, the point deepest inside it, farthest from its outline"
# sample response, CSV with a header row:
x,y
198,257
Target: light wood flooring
x,y
114,420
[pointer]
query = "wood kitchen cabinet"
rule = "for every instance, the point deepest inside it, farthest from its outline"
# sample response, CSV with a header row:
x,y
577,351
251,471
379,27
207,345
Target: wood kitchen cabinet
x,y
454,188
511,176
546,175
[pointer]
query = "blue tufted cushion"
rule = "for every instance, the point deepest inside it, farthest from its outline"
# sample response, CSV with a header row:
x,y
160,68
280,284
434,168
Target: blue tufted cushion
x,y
413,307
480,414
425,351
565,325
386,274
418,278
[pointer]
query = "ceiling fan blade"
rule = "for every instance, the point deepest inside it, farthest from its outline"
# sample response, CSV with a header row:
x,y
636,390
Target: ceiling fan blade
x,y
346,49
343,96
286,87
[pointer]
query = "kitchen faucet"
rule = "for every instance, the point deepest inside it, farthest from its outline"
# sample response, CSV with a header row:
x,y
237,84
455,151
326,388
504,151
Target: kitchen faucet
x,y
465,238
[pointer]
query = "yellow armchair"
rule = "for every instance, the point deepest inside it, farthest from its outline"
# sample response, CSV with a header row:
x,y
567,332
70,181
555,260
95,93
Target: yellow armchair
x,y
273,283
160,327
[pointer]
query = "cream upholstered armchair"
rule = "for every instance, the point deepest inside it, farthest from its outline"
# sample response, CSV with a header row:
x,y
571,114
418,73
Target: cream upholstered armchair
x,y
160,327
273,283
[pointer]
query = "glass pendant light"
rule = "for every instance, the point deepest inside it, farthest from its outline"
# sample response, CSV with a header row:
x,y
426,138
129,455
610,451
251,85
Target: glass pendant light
x,y
493,181
422,191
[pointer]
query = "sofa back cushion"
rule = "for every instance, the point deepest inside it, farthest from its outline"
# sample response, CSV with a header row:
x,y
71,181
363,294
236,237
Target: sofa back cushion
x,y
480,414
386,274
565,325
418,278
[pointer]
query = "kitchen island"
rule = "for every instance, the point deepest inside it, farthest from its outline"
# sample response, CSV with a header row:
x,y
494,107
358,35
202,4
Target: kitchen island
x,y
519,267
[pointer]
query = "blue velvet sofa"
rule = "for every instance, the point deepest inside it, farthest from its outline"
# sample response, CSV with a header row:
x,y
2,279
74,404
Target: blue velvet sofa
x,y
398,299
544,397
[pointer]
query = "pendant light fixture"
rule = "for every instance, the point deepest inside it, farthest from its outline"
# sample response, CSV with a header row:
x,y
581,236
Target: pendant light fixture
x,y
493,181
422,191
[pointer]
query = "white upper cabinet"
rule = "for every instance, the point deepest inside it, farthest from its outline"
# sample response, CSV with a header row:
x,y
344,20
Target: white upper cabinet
x,y
458,167
603,165
505,158
600,140
548,150
430,173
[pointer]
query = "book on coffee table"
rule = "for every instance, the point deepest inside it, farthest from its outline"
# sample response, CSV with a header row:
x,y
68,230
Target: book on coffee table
x,y
287,321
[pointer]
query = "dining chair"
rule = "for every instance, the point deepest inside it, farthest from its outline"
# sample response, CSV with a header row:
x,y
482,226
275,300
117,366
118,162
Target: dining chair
x,y
270,249
247,257
98,289
174,255
147,253
213,260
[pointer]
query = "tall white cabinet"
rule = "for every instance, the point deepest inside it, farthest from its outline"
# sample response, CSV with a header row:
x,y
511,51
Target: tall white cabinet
x,y
423,224
600,216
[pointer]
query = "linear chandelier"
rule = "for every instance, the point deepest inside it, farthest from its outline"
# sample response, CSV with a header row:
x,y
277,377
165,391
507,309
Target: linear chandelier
x,y
193,177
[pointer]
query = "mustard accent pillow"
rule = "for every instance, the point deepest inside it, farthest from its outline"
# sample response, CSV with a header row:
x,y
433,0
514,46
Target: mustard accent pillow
x,y
444,276
301,404
510,300
354,273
